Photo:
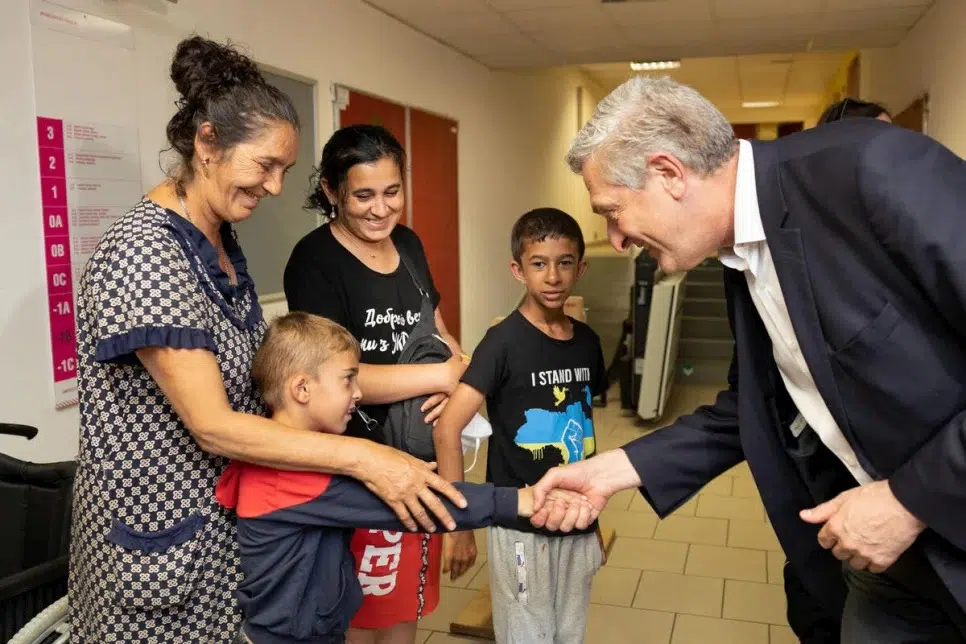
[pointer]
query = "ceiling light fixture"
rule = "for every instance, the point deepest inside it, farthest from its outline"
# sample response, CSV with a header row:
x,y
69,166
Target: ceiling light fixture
x,y
655,65
759,104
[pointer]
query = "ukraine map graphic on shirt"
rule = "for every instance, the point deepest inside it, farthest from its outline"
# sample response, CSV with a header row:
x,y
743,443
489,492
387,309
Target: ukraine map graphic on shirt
x,y
569,430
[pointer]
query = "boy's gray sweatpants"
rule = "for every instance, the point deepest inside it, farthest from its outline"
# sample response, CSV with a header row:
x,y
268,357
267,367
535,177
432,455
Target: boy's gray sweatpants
x,y
540,585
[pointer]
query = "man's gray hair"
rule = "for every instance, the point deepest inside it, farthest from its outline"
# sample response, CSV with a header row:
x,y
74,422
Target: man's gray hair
x,y
645,116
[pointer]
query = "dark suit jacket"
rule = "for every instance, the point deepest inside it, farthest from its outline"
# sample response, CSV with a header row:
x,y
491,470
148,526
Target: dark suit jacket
x,y
866,223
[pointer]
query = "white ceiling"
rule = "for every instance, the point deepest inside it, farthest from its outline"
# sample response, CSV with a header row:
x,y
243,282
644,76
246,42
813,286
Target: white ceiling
x,y
535,33
795,80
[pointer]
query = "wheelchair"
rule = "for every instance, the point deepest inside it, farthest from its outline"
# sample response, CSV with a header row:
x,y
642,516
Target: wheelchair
x,y
35,503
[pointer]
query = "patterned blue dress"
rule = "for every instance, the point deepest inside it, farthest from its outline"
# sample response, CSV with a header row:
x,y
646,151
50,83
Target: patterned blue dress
x,y
153,558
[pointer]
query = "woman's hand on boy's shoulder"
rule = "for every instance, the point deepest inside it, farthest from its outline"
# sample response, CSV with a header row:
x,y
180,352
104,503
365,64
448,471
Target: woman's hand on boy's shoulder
x,y
409,486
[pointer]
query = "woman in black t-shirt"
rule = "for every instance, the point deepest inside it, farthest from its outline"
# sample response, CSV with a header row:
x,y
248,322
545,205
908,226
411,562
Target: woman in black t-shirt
x,y
349,270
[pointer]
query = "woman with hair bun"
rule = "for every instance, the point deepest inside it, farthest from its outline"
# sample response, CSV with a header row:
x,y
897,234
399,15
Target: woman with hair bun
x,y
168,324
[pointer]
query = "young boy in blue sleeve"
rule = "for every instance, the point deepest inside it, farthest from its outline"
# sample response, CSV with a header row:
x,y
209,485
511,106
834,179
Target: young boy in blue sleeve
x,y
294,528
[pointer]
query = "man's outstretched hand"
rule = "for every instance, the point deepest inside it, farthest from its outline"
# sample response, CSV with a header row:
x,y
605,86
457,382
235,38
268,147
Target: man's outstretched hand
x,y
597,479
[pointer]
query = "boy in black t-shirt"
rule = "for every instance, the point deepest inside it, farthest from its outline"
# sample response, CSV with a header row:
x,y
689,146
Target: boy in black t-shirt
x,y
538,370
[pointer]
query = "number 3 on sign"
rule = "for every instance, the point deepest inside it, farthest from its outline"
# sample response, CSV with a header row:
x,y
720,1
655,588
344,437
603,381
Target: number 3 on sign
x,y
50,133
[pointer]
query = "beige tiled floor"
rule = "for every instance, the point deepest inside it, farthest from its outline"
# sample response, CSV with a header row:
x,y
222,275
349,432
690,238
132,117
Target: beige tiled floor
x,y
709,574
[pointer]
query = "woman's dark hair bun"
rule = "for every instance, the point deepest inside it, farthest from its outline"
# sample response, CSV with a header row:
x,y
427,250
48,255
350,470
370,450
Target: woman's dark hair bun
x,y
221,86
203,69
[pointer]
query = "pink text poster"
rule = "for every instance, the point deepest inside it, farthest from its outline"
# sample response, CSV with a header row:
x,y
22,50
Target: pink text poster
x,y
87,148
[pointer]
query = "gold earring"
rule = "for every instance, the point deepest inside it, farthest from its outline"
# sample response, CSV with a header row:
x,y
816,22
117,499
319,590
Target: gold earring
x,y
204,167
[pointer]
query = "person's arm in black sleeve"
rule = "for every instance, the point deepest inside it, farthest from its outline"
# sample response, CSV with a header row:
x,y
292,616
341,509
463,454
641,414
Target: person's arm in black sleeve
x,y
482,376
346,503
601,383
308,288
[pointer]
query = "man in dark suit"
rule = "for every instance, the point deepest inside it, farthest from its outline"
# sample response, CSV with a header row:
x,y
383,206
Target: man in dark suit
x,y
845,255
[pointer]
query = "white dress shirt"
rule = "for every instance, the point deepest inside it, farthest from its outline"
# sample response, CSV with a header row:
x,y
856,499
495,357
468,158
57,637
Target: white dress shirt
x,y
752,256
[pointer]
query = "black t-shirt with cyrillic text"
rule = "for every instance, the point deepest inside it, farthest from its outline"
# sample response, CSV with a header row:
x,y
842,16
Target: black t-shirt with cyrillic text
x,y
380,310
538,397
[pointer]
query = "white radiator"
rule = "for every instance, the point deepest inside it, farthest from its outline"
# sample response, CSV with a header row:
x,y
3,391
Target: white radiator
x,y
660,352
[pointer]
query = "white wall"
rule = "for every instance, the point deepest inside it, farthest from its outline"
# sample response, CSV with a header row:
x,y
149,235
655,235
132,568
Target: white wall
x,y
506,164
547,122
929,59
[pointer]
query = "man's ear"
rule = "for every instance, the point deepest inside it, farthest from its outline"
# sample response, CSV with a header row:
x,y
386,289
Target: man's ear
x,y
581,267
670,172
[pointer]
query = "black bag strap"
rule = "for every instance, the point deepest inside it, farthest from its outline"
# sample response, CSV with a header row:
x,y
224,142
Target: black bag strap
x,y
404,260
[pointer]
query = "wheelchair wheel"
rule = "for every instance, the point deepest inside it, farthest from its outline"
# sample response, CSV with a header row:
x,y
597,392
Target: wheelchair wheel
x,y
48,627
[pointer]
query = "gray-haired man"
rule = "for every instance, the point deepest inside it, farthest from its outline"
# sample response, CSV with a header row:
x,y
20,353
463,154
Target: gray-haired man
x,y
845,255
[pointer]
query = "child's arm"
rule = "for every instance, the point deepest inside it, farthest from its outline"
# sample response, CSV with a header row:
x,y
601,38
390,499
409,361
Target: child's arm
x,y
347,503
459,548
463,405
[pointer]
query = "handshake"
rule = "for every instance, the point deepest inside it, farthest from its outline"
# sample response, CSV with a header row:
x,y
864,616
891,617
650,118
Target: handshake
x,y
572,496
560,509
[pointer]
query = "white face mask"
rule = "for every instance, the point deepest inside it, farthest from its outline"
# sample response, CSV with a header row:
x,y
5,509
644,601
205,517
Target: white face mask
x,y
475,432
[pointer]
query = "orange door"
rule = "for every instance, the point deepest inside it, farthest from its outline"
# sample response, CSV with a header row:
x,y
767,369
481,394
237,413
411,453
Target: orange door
x,y
363,109
435,205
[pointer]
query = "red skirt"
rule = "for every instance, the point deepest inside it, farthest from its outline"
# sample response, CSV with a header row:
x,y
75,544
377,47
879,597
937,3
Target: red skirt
x,y
399,574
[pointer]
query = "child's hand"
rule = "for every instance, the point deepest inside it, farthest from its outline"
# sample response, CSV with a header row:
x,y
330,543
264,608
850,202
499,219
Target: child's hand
x,y
452,372
571,503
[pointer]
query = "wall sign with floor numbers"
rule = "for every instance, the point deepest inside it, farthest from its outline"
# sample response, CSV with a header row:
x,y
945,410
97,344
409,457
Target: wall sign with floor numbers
x,y
87,143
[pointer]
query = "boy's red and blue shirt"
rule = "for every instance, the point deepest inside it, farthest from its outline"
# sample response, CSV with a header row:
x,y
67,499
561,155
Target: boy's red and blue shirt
x,y
294,530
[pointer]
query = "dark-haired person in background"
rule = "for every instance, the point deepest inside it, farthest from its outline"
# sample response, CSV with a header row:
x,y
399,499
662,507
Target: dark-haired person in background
x,y
351,270
168,324
850,108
